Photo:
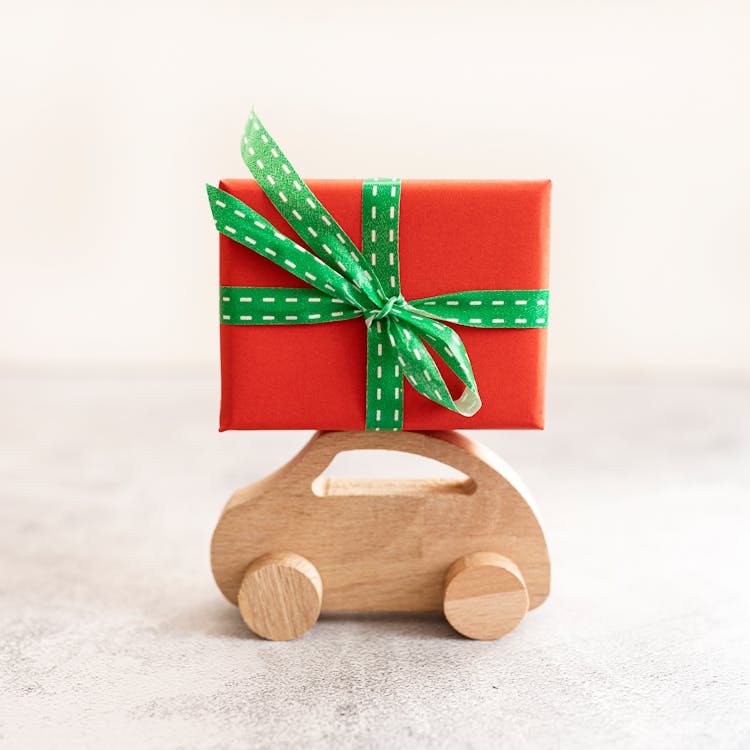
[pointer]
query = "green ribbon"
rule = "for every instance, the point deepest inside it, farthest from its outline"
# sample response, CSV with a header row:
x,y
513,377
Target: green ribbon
x,y
345,283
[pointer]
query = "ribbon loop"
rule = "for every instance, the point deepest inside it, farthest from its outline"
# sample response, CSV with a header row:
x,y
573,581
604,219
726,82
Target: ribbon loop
x,y
302,210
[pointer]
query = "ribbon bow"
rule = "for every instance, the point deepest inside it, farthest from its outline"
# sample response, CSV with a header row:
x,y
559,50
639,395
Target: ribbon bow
x,y
343,285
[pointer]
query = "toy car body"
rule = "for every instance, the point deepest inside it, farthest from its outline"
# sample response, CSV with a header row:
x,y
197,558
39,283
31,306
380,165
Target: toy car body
x,y
295,543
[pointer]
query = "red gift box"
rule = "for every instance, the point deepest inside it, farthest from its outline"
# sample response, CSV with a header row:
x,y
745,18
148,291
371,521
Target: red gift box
x,y
454,236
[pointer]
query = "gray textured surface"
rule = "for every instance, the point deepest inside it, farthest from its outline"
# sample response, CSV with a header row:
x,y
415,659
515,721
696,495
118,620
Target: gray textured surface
x,y
113,634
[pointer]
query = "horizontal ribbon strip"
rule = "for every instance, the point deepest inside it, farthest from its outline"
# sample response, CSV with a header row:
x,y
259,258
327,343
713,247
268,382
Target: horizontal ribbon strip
x,y
483,309
344,283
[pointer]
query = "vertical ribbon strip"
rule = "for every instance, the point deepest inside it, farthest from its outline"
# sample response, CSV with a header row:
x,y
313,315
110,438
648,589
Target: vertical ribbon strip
x,y
385,393
345,283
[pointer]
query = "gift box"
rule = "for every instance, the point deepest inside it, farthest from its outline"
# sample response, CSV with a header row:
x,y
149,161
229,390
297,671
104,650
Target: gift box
x,y
453,236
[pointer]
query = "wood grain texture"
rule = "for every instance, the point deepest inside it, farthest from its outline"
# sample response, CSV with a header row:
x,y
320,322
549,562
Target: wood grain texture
x,y
485,596
383,545
280,596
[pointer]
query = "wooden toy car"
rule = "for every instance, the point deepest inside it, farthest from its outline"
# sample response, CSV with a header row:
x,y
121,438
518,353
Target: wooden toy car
x,y
295,543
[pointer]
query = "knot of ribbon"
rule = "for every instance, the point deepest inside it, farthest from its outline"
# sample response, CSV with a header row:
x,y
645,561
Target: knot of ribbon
x,y
345,282
385,310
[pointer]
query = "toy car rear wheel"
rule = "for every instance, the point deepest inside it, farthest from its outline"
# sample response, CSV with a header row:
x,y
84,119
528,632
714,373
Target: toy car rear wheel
x,y
280,596
485,596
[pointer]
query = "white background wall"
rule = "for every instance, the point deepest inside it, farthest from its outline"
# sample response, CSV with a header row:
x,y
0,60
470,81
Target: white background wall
x,y
114,118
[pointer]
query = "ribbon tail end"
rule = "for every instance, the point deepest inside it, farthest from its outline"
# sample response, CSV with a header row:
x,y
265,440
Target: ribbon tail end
x,y
468,403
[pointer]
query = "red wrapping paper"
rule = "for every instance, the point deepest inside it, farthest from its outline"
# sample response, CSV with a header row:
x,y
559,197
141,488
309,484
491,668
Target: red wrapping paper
x,y
453,236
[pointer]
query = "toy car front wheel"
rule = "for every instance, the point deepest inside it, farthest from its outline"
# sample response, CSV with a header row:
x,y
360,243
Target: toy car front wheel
x,y
280,596
485,596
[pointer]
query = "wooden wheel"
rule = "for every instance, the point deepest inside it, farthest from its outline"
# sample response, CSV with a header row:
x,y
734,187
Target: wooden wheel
x,y
280,596
485,596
